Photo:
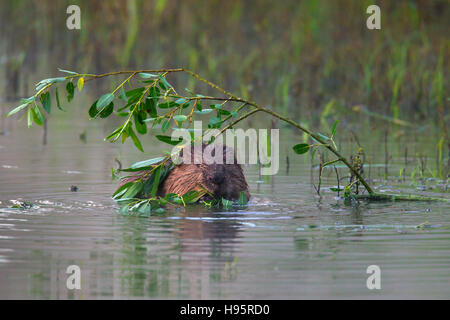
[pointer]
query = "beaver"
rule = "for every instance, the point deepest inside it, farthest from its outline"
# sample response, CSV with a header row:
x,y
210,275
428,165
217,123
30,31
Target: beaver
x,y
220,180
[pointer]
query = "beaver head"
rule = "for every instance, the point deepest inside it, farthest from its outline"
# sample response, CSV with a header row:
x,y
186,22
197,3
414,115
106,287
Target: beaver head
x,y
200,169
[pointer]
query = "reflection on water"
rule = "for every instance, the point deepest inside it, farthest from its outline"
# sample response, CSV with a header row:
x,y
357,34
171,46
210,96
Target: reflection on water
x,y
288,243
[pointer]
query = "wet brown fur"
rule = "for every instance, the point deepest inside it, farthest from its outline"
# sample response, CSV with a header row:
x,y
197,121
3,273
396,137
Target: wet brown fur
x,y
220,180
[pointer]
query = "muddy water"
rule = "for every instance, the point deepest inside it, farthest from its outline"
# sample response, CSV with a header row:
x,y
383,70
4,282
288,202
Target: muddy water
x,y
288,243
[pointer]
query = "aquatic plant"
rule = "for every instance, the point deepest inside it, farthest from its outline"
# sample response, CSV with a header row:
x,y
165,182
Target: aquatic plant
x,y
156,101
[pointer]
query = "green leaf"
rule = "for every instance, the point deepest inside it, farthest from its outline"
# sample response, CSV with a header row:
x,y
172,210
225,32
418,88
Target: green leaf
x,y
30,117
45,82
105,100
150,107
58,103
159,211
163,83
67,71
135,139
227,204
169,140
242,199
93,110
146,163
38,117
301,148
28,100
135,93
324,137
140,125
114,176
167,105
192,196
121,189
180,101
22,106
333,129
133,190
46,101
123,95
155,95
106,112
221,112
180,118
145,75
157,176
215,122
165,126
203,111
105,105
70,91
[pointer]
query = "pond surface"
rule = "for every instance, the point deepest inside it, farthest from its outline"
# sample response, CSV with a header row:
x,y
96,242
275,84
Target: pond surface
x,y
287,244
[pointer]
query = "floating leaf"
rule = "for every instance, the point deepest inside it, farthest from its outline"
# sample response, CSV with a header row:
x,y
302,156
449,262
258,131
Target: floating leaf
x,y
227,204
242,201
192,196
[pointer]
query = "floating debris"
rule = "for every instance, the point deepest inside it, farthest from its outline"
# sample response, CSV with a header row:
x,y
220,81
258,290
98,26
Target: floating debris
x,y
22,205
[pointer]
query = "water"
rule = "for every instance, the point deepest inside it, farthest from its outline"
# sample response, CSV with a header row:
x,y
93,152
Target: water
x,y
287,244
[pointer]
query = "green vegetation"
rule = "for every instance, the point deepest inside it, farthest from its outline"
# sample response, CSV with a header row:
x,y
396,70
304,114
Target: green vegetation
x,y
295,57
156,101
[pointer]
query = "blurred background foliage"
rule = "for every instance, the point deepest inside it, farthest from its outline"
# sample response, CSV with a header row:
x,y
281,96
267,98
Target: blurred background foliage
x,y
303,58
